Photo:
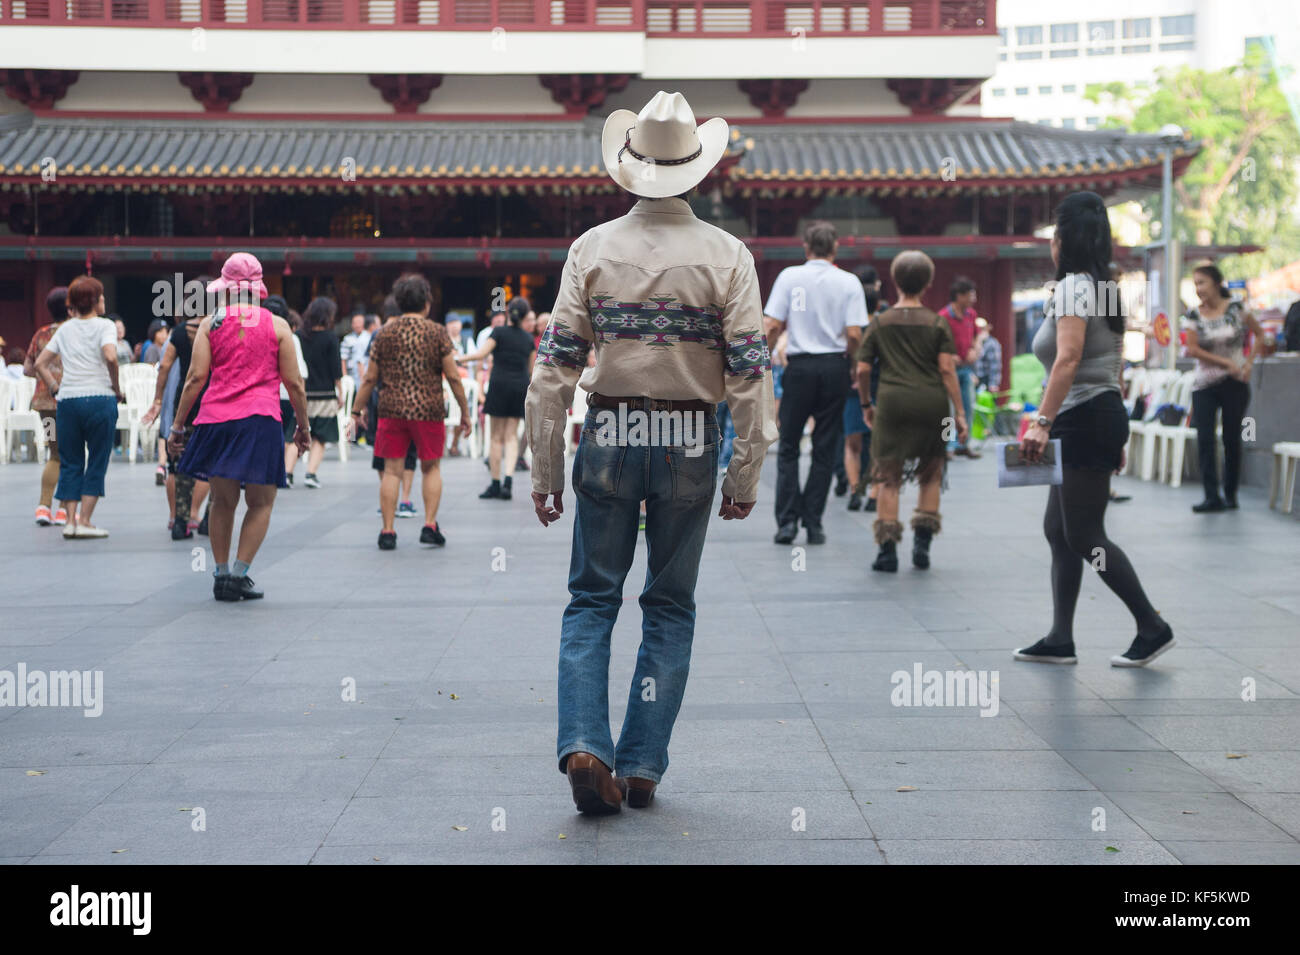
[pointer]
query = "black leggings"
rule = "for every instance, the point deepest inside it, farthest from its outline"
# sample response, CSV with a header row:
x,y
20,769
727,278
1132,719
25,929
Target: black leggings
x,y
1232,396
1075,529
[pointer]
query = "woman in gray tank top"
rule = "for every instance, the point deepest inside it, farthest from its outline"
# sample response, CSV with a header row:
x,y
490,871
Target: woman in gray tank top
x,y
1079,345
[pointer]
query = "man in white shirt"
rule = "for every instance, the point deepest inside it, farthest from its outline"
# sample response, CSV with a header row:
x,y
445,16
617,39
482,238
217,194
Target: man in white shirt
x,y
823,311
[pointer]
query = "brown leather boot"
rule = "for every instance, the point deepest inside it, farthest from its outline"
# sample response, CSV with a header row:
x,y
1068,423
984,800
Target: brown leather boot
x,y
594,790
640,792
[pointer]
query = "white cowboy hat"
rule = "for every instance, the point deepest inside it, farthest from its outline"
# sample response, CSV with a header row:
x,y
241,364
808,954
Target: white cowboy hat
x,y
660,151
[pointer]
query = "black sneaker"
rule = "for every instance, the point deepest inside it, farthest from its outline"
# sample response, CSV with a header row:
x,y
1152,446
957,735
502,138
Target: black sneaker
x,y
1040,652
816,535
388,540
871,505
181,530
1144,649
855,502
1211,505
493,491
507,488
432,535
841,486
786,533
289,477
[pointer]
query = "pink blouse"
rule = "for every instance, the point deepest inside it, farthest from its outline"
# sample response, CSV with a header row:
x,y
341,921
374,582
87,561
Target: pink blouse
x,y
245,376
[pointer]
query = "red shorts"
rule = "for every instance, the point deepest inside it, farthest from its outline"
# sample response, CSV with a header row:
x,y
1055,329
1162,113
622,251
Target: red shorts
x,y
395,435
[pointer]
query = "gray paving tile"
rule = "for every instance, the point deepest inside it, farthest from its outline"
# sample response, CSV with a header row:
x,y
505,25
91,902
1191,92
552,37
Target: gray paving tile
x,y
1025,852
1117,771
959,770
936,814
1265,771
1235,853
1197,817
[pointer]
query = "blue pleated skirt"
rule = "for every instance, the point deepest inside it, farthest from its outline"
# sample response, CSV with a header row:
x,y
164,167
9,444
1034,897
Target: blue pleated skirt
x,y
249,450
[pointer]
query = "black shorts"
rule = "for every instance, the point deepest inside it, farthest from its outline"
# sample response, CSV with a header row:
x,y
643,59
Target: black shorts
x,y
1094,433
409,465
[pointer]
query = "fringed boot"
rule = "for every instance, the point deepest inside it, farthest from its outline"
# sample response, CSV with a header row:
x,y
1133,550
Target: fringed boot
x,y
925,524
888,534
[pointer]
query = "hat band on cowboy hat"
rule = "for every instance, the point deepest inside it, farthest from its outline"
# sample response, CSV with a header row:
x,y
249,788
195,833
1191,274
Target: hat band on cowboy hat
x,y
661,151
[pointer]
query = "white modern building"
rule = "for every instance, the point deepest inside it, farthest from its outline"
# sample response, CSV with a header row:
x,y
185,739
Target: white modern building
x,y
1049,53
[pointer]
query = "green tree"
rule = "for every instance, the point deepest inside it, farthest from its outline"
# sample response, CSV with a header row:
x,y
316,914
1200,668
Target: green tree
x,y
1241,189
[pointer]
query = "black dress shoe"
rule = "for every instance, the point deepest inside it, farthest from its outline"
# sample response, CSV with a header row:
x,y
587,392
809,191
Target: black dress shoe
x,y
855,502
871,504
224,588
1230,502
244,587
786,533
841,486
1210,505
816,535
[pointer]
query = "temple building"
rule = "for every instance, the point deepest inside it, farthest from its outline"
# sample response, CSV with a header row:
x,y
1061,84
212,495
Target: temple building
x,y
345,141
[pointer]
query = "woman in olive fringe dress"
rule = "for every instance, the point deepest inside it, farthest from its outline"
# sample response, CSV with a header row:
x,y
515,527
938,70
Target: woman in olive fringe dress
x,y
917,409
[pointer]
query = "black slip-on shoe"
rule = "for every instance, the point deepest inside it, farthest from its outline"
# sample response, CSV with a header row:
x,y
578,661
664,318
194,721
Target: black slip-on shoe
x,y
1144,649
1041,652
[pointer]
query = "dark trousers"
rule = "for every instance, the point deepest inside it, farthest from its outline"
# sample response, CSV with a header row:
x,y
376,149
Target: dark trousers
x,y
1231,396
85,429
814,387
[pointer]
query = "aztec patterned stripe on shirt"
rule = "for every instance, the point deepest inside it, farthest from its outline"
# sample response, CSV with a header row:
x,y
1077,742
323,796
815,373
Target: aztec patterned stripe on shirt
x,y
748,357
660,321
561,347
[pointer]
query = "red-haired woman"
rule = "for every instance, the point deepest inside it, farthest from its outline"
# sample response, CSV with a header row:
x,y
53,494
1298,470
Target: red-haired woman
x,y
87,396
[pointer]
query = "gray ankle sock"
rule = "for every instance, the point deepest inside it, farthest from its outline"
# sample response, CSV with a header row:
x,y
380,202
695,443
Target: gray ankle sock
x,y
223,570
241,569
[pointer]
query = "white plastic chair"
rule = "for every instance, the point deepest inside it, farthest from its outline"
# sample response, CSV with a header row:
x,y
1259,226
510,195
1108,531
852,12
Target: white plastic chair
x,y
345,415
1171,440
16,405
1142,455
1286,456
136,371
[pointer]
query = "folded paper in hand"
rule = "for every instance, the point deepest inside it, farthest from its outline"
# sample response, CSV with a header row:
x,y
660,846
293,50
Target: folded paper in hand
x,y
1015,471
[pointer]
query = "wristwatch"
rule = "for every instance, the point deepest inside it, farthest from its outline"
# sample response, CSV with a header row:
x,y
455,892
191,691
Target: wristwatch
x,y
1043,421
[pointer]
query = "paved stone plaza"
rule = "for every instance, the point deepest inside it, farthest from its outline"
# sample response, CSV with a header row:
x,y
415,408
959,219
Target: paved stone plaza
x,y
238,710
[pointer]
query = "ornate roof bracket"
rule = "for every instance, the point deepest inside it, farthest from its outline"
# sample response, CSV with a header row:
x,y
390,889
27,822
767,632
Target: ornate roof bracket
x,y
406,92
38,89
216,91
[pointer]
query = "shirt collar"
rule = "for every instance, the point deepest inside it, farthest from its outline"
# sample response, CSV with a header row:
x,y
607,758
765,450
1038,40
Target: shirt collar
x,y
818,262
670,206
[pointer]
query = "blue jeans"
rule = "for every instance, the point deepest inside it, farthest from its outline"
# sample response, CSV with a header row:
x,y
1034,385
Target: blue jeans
x,y
610,480
966,382
85,428
728,430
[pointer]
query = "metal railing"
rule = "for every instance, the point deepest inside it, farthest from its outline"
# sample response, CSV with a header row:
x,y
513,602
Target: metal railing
x,y
688,18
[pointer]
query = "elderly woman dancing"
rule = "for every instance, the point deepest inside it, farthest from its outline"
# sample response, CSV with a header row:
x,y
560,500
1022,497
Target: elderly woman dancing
x,y
242,353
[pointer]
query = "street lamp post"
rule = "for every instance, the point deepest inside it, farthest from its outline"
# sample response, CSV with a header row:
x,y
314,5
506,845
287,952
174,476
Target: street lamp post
x,y
1171,135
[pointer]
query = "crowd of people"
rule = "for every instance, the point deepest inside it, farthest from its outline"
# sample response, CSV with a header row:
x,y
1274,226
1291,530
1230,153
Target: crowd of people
x,y
248,388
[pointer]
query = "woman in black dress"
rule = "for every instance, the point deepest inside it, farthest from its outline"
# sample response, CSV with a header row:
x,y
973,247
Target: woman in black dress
x,y
320,350
512,351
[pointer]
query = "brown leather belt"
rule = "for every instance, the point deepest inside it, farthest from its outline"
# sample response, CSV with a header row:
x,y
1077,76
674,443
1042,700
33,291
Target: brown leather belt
x,y
650,404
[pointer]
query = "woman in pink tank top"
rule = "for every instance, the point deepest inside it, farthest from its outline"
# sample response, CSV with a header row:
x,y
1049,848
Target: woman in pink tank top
x,y
242,353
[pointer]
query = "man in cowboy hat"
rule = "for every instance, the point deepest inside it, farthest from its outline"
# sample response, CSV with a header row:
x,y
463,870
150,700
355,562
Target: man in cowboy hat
x,y
671,305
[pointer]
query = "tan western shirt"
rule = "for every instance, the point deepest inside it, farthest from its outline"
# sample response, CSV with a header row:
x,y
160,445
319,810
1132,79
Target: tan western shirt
x,y
672,306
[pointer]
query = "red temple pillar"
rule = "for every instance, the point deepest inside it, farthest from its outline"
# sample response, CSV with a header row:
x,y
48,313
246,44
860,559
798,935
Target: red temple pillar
x,y
42,280
1001,315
